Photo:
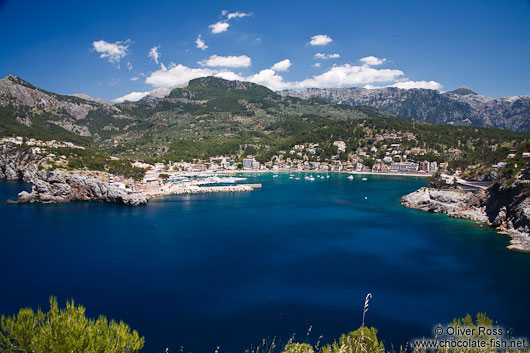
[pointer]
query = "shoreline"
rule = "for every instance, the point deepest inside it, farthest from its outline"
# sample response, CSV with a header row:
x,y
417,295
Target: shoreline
x,y
420,175
472,206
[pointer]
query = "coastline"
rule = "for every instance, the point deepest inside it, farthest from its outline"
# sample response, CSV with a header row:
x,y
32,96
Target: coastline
x,y
421,175
511,219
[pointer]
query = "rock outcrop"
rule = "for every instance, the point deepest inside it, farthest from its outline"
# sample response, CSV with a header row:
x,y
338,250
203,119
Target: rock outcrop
x,y
505,208
55,187
16,163
454,203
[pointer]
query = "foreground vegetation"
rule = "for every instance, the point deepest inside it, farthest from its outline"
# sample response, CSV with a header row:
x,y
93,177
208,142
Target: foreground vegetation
x,y
67,330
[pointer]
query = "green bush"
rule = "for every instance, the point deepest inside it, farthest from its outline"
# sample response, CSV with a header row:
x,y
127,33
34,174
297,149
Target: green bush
x,y
362,340
65,331
298,348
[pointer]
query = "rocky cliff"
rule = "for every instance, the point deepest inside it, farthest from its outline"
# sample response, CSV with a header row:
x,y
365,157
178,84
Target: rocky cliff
x,y
56,187
506,208
17,163
461,106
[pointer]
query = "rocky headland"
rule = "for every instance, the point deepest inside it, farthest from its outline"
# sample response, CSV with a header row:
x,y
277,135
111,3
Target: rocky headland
x,y
58,186
505,208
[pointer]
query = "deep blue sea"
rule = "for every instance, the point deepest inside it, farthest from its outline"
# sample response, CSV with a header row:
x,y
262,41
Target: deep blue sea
x,y
228,270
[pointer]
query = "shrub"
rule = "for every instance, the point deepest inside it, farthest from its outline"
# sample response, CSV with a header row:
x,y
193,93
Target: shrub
x,y
362,340
64,331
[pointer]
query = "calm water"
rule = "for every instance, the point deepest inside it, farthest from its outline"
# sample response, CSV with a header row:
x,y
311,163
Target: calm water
x,y
230,269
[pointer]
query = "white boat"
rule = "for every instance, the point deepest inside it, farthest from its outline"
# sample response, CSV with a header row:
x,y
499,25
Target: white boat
x,y
297,178
364,179
350,177
275,176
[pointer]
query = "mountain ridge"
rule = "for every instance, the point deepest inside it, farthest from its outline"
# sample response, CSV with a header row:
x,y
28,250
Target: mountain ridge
x,y
210,111
460,107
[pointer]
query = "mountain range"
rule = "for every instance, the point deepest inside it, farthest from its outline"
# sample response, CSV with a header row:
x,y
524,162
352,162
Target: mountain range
x,y
208,107
222,115
460,107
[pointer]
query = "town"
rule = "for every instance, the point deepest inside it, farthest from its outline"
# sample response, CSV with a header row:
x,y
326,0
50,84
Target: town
x,y
386,156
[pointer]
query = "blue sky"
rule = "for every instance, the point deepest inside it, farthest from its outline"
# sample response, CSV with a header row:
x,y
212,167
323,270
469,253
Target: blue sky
x,y
101,48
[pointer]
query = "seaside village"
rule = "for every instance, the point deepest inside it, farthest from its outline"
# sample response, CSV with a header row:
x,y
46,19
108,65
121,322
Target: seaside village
x,y
215,174
305,158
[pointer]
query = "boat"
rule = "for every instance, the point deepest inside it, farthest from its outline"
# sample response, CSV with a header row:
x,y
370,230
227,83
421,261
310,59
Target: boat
x,y
364,179
350,177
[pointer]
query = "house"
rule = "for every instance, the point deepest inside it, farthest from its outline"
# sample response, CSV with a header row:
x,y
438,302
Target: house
x,y
380,168
341,146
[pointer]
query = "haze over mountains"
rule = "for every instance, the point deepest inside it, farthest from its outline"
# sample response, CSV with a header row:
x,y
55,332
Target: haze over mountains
x,y
461,106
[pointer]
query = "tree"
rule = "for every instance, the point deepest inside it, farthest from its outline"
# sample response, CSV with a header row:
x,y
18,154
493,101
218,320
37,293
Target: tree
x,y
64,331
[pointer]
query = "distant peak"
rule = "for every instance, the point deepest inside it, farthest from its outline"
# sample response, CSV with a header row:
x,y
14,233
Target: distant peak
x,y
463,91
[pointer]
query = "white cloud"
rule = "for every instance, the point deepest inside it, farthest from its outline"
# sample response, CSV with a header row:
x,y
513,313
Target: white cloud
x,y
320,39
372,60
270,79
236,14
346,75
131,97
283,65
229,75
316,65
113,52
417,84
135,78
338,76
176,76
326,56
154,53
349,75
200,43
129,66
222,26
219,27
226,61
